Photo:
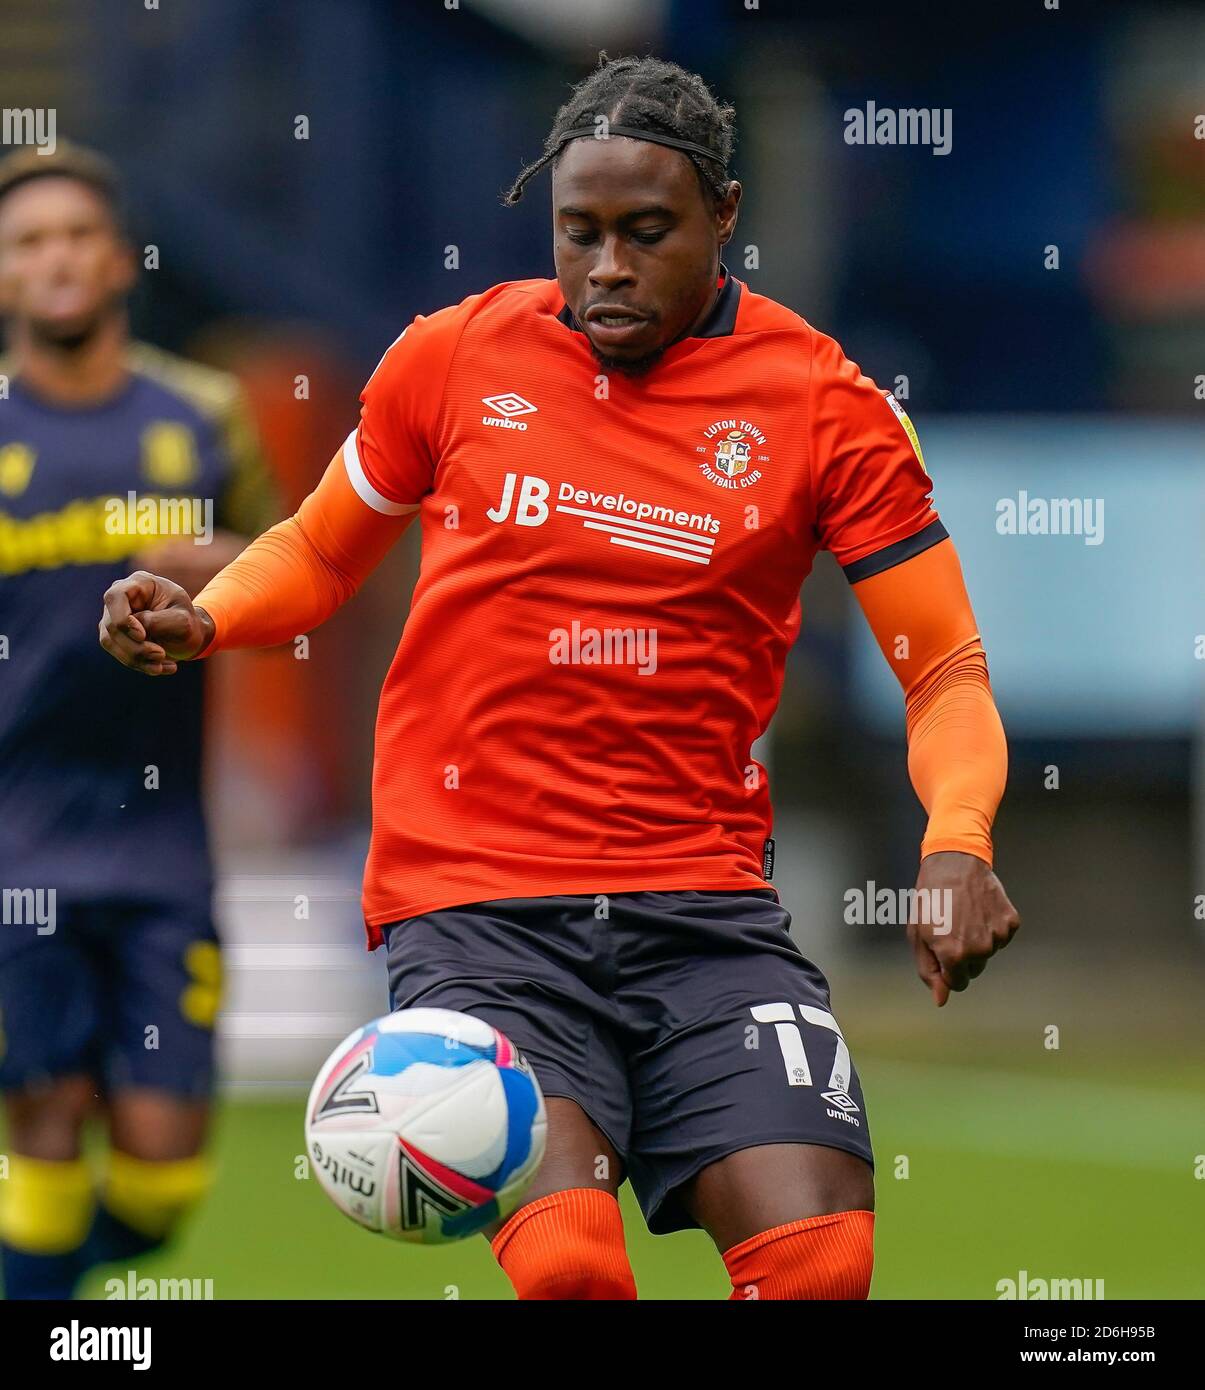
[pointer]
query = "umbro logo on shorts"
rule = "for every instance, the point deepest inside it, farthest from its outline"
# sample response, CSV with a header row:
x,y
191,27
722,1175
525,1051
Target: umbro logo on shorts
x,y
841,1107
840,1100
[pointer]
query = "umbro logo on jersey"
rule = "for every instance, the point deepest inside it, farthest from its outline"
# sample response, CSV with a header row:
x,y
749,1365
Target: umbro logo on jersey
x,y
507,404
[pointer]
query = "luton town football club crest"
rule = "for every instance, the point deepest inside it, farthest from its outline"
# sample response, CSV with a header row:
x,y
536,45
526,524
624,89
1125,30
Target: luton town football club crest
x,y
732,454
736,448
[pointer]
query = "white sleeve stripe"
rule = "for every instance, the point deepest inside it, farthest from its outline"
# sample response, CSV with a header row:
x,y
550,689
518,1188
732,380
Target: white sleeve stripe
x,y
364,489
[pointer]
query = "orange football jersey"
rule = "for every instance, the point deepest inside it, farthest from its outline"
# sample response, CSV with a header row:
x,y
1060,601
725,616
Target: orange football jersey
x,y
609,588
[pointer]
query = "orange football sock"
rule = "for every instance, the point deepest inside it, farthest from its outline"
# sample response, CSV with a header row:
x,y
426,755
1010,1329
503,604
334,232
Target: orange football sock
x,y
566,1245
819,1257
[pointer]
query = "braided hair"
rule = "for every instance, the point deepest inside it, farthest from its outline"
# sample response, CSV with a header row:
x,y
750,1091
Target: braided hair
x,y
650,95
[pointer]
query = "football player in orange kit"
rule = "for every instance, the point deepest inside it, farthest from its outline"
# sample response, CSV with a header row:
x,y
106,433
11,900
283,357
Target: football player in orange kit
x,y
622,477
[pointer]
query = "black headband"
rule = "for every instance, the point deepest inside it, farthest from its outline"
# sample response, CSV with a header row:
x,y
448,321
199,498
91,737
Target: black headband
x,y
635,133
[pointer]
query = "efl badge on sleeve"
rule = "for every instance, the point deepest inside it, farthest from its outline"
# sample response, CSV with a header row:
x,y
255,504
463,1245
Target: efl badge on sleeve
x,y
909,427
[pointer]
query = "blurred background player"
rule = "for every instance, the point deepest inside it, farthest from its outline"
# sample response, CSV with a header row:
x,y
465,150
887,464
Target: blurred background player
x,y
109,967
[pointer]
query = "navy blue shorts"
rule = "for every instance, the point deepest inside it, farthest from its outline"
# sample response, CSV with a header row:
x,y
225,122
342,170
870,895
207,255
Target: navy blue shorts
x,y
124,992
687,1025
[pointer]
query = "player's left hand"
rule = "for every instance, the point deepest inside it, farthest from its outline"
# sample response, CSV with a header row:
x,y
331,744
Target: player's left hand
x,y
977,920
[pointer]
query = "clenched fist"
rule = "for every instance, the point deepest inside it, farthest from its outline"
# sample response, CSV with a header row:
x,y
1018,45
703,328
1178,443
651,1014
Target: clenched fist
x,y
982,921
150,624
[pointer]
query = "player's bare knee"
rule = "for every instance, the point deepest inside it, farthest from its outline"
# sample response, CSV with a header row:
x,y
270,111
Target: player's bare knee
x,y
832,1181
156,1127
46,1120
156,1170
849,1188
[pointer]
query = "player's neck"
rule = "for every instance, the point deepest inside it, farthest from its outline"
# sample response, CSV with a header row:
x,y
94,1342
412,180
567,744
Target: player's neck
x,y
83,373
705,313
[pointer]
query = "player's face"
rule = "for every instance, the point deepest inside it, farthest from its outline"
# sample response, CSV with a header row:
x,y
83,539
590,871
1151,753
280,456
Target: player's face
x,y
636,244
63,263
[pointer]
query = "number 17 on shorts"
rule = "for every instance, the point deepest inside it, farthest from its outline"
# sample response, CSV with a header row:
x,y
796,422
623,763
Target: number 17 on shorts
x,y
785,1018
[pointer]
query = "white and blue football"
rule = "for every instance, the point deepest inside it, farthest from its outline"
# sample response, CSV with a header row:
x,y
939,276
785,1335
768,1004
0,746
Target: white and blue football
x,y
425,1125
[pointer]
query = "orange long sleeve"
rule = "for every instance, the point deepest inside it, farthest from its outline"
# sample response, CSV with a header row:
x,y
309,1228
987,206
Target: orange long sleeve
x,y
921,617
294,576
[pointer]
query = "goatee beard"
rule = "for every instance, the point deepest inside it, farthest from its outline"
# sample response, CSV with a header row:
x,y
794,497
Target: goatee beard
x,y
638,366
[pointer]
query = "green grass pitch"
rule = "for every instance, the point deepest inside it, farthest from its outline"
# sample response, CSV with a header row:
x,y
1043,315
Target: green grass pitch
x,y
1063,1173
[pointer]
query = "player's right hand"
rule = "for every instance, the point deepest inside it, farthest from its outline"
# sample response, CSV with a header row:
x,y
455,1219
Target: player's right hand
x,y
150,624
